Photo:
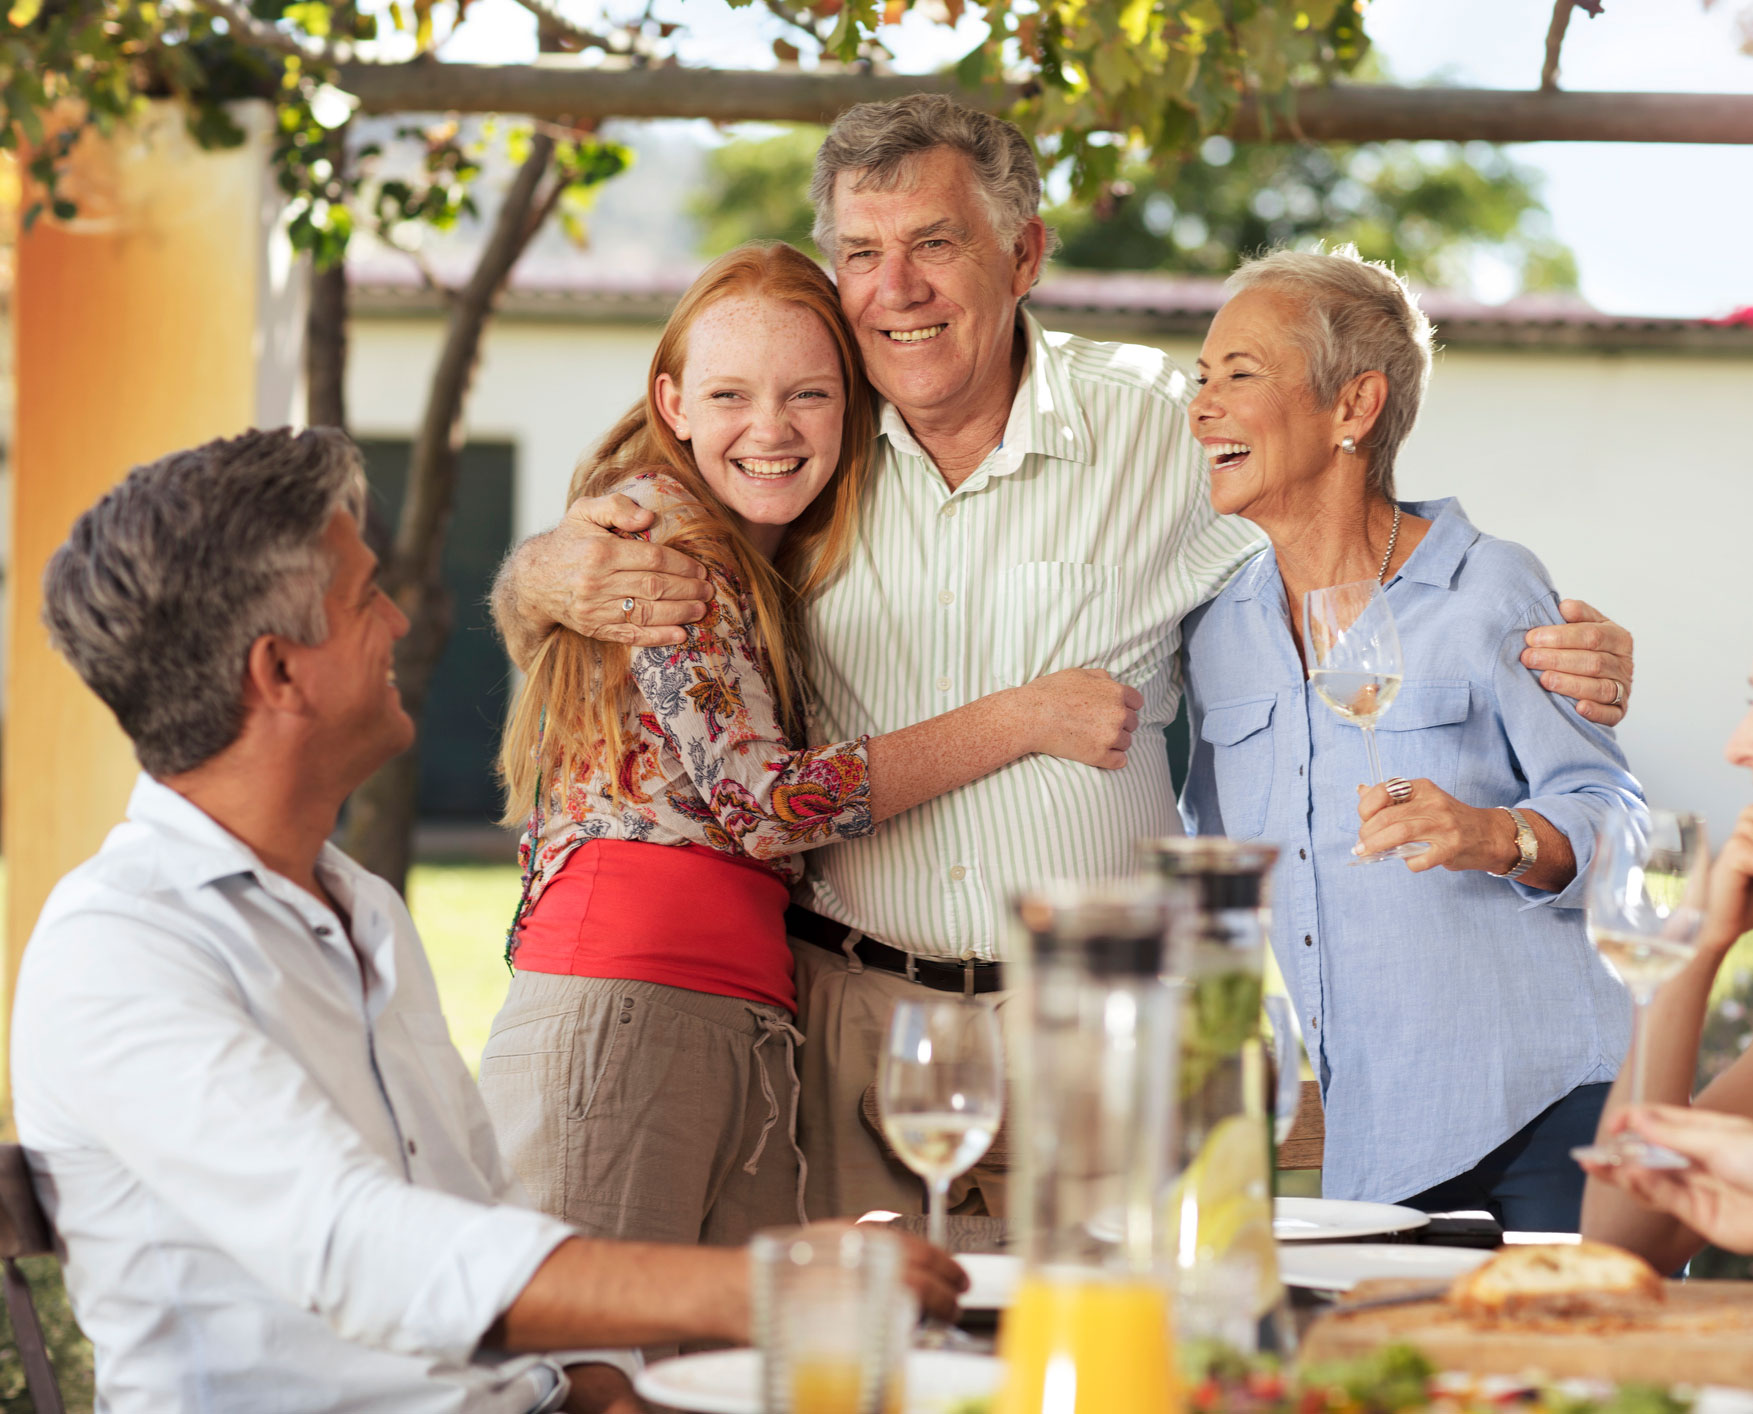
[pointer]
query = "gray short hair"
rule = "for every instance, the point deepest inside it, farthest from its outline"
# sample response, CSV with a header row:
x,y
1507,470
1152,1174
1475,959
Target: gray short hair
x,y
881,140
164,584
1357,315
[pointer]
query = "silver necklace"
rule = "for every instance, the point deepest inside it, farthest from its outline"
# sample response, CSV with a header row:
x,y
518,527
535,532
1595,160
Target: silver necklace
x,y
1393,535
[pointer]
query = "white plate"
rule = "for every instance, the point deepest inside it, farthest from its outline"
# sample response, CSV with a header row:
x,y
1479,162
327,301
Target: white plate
x,y
992,1280
1336,1219
729,1381
1302,1220
1339,1266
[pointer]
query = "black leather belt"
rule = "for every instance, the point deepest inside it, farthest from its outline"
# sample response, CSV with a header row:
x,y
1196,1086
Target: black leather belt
x,y
970,978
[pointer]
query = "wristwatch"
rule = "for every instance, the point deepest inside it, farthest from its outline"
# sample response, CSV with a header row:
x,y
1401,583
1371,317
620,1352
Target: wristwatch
x,y
1527,846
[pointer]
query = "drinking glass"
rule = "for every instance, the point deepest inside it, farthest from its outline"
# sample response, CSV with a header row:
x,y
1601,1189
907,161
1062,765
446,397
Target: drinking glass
x,y
1646,895
831,1315
940,1087
1355,668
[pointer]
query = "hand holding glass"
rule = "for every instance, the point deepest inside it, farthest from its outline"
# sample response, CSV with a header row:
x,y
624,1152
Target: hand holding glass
x,y
1646,898
1355,667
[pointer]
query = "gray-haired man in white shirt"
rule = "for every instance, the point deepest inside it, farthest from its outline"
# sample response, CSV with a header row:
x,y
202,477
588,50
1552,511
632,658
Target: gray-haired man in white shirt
x,y
274,1182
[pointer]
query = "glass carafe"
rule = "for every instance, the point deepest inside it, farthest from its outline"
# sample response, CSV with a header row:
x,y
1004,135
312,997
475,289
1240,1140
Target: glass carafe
x,y
1226,1260
1093,1037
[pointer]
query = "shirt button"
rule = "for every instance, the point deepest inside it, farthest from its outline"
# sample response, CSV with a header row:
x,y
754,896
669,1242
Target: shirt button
x,y
943,684
958,873
949,511
945,597
1302,854
323,930
1308,942
413,1148
1314,1023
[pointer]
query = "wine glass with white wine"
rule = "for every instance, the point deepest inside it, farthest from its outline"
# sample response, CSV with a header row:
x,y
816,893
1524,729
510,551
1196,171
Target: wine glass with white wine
x,y
1646,897
1355,668
940,1089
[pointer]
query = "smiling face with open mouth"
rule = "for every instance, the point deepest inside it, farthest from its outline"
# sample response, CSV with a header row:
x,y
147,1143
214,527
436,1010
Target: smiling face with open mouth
x,y
931,293
761,401
1265,440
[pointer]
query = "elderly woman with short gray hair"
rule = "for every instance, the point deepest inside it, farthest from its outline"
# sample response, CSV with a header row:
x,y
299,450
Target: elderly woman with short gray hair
x,y
1463,1029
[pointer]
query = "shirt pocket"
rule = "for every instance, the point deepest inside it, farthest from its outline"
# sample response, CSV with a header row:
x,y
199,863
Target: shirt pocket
x,y
1240,736
1437,710
1051,616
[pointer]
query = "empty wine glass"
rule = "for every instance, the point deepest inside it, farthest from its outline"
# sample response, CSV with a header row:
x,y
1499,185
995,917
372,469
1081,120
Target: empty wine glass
x,y
1355,667
1646,895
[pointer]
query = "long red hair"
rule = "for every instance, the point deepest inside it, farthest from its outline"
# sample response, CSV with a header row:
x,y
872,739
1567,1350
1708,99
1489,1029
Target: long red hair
x,y
573,709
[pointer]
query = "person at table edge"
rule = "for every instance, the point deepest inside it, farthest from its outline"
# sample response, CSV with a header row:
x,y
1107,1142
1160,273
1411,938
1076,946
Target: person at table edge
x,y
1462,1026
1038,503
268,1172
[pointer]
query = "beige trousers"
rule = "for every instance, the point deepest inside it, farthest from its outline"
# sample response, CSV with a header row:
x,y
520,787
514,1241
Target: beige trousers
x,y
844,1016
636,1110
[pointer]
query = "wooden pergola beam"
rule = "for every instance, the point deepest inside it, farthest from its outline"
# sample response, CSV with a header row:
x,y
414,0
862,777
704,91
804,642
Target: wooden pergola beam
x,y
1347,113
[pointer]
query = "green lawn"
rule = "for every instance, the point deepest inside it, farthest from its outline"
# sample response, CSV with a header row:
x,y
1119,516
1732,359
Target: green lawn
x,y
462,911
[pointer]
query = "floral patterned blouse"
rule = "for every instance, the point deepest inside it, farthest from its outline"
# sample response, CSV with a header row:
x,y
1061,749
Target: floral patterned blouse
x,y
706,760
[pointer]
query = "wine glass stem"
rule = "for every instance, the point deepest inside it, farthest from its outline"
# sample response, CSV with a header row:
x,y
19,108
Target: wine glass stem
x,y
1369,742
1639,1010
937,1221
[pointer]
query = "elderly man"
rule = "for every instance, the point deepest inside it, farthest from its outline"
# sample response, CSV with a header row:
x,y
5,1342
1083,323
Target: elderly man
x,y
1039,504
274,1181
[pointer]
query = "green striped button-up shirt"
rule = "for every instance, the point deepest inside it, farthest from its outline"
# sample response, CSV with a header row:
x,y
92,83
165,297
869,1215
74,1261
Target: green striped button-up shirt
x,y
1081,541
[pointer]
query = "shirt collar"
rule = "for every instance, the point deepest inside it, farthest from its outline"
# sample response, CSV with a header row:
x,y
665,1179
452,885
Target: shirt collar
x,y
1434,562
203,851
1438,556
1045,418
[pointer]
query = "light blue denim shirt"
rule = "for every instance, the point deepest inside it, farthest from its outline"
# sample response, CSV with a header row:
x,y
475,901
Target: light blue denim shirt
x,y
1442,1011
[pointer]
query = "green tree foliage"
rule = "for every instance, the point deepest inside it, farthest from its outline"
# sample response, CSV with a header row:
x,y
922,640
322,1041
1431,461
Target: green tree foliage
x,y
1428,208
1104,77
757,189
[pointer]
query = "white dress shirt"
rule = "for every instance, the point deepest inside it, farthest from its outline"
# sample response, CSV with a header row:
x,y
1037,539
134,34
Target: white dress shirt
x,y
274,1183
1080,542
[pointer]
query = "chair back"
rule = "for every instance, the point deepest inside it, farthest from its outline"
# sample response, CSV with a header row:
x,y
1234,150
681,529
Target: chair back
x,y
25,1232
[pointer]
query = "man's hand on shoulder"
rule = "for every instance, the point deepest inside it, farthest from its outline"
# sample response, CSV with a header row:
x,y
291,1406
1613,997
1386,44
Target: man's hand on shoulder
x,y
1587,657
581,575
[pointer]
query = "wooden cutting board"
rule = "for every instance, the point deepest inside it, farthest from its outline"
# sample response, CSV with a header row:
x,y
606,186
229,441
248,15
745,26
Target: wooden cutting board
x,y
1702,1334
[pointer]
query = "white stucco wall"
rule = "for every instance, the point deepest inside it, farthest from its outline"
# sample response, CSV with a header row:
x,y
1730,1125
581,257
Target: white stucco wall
x,y
1630,475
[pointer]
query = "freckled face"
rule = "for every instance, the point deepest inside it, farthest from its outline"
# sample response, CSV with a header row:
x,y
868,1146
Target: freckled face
x,y
762,402
1264,439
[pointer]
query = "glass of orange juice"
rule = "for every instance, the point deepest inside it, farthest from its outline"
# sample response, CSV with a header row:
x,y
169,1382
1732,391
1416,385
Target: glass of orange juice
x,y
831,1318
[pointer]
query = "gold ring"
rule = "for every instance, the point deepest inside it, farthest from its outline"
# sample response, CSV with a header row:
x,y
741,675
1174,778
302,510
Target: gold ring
x,y
1399,790
1618,694
627,608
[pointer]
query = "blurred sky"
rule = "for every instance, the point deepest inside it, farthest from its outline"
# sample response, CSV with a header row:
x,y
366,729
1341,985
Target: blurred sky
x,y
1657,228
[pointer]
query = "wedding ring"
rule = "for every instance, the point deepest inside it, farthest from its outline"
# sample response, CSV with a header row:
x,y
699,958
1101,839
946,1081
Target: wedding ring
x,y
1399,790
1618,694
627,608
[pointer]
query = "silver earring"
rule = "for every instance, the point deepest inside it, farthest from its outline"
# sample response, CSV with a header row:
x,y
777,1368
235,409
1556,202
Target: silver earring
x,y
1348,445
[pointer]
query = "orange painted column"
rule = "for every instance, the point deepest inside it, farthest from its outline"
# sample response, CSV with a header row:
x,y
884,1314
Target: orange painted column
x,y
164,314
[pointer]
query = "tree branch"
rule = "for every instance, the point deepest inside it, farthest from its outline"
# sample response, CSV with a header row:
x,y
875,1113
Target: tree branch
x,y
1555,42
1346,113
246,26
549,14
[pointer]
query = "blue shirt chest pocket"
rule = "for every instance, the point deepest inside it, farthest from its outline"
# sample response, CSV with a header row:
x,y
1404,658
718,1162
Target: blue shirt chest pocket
x,y
1240,736
1422,731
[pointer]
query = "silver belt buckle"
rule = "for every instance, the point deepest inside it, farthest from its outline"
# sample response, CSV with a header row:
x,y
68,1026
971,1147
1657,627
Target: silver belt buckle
x,y
967,977
912,968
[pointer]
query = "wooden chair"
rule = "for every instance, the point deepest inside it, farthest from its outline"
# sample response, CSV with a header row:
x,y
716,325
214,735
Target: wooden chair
x,y
1308,1135
24,1232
